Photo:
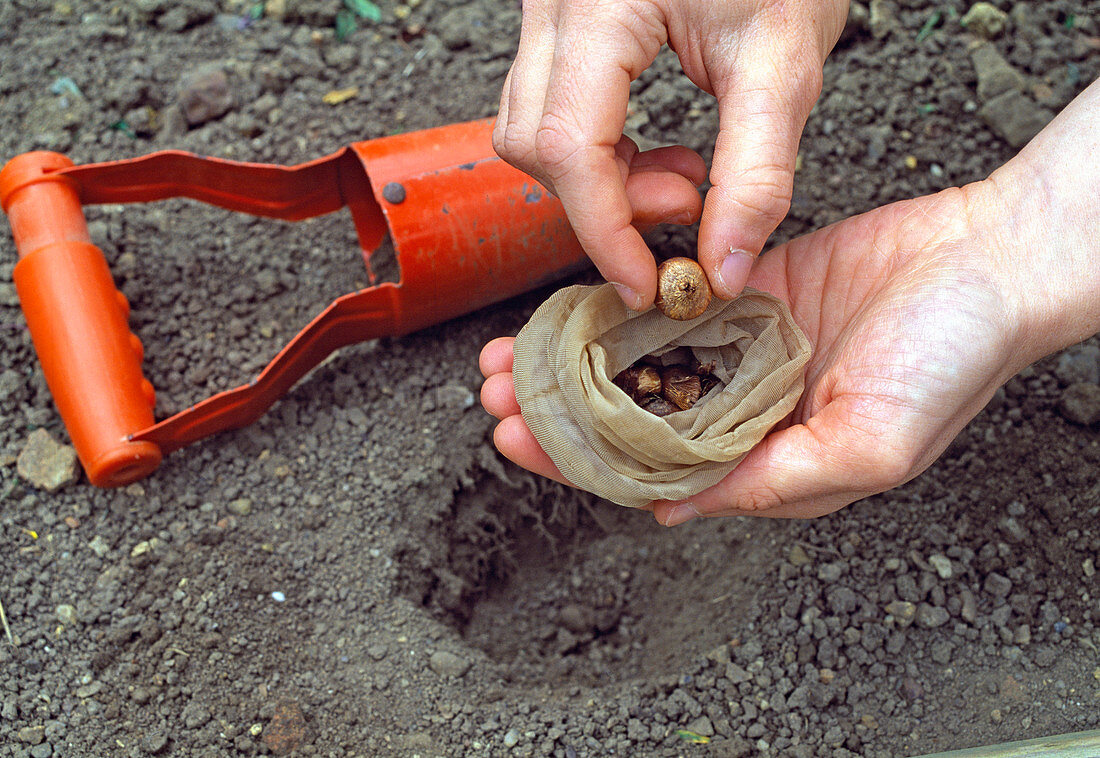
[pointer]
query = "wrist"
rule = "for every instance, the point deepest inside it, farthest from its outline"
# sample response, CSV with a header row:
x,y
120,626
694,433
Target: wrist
x,y
1037,218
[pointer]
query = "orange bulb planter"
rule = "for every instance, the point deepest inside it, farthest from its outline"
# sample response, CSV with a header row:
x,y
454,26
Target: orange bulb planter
x,y
468,229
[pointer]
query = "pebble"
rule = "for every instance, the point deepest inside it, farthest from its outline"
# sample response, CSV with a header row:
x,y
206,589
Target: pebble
x,y
89,690
732,747
1045,657
798,556
830,572
155,741
463,26
32,735
911,689
241,506
941,652
46,463
997,585
969,610
45,750
1081,403
996,76
99,546
8,295
448,664
1013,529
205,95
66,614
454,397
882,19
1015,117
195,715
287,729
931,616
511,738
144,551
702,725
942,565
11,384
902,610
1079,364
842,600
576,619
985,20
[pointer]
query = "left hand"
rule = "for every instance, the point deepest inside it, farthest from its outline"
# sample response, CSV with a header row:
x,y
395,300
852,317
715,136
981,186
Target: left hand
x,y
917,311
910,342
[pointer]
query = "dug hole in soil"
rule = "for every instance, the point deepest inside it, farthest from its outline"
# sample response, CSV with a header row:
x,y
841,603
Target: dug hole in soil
x,y
360,574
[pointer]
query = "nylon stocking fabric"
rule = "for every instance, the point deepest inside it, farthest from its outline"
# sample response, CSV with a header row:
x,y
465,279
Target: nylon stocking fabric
x,y
579,339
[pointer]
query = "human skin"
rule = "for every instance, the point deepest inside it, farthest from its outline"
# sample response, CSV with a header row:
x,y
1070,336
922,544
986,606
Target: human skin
x,y
917,312
564,104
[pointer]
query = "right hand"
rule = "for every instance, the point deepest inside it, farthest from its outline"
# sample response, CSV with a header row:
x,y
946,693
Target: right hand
x,y
564,105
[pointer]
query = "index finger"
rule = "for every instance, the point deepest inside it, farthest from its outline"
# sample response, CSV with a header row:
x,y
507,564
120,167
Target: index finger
x,y
576,143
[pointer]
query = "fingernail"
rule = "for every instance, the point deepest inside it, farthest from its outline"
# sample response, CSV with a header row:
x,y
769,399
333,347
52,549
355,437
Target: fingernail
x,y
683,219
629,296
681,513
733,271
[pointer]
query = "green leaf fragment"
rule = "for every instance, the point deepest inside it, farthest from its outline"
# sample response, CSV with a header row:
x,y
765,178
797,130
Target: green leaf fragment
x,y
345,25
929,26
256,12
125,128
1070,22
689,736
365,9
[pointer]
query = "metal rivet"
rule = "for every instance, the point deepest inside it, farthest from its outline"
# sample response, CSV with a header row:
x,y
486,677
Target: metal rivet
x,y
394,192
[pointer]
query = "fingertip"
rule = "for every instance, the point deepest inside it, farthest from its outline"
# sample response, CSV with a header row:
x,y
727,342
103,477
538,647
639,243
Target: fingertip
x,y
626,262
497,356
515,442
675,158
659,196
498,395
660,511
632,299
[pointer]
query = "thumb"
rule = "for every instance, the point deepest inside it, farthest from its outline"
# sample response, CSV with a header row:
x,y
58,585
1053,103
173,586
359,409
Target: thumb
x,y
752,173
806,470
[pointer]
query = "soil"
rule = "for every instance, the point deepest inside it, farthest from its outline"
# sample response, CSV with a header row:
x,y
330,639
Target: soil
x,y
359,573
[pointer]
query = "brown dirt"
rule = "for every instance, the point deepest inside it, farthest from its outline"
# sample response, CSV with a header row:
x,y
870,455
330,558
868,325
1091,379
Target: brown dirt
x,y
435,600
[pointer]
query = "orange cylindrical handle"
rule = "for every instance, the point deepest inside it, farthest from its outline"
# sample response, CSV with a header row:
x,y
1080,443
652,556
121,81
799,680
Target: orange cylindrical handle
x,y
78,321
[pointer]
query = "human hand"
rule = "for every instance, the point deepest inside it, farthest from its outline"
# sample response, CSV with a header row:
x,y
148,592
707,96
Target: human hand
x,y
564,106
917,311
910,341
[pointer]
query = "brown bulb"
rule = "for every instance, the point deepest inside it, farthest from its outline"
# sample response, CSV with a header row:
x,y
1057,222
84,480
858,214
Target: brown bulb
x,y
681,387
682,289
639,381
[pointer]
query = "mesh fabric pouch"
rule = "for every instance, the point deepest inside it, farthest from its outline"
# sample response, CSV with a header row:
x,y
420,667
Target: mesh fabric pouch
x,y
578,340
